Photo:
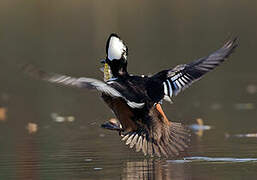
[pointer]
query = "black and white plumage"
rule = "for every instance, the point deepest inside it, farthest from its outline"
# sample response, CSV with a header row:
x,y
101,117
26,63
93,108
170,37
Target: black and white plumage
x,y
182,76
84,83
135,100
115,48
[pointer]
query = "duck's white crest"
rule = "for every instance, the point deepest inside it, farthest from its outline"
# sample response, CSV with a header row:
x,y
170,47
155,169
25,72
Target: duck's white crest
x,y
116,48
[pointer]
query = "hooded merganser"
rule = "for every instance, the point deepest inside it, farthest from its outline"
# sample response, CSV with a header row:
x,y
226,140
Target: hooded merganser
x,y
135,100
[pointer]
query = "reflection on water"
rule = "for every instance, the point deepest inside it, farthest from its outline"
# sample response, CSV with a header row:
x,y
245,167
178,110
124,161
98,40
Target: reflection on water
x,y
153,169
174,169
139,170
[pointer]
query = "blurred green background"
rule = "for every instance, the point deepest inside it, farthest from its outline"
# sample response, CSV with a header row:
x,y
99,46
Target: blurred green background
x,y
69,37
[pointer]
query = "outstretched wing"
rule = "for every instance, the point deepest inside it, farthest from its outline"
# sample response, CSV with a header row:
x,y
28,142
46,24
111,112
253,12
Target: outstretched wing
x,y
85,83
182,76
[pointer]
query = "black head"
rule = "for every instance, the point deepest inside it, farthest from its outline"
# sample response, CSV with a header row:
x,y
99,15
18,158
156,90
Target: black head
x,y
117,53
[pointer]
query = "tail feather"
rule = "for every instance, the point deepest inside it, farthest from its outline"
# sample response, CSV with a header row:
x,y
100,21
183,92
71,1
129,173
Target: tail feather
x,y
134,141
173,140
144,146
149,148
163,149
125,137
173,150
176,143
132,136
139,144
156,150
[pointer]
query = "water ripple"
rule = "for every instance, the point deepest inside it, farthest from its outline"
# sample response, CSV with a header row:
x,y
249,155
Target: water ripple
x,y
212,159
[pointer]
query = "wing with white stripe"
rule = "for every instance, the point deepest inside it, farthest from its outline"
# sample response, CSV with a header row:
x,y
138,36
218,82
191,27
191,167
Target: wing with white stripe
x,y
182,76
86,83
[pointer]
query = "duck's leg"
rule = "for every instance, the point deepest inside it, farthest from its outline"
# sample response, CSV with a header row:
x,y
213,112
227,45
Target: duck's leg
x,y
159,108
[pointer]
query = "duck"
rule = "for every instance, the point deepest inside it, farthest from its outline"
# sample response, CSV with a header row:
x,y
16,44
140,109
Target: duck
x,y
136,100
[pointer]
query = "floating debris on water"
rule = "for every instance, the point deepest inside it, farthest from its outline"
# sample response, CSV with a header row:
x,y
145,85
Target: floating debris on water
x,y
199,127
98,169
250,135
251,89
3,114
57,118
32,128
70,118
88,160
244,106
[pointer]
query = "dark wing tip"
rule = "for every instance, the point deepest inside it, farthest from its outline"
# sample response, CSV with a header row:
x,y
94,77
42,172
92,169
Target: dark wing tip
x,y
61,80
231,42
35,72
182,76
231,45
